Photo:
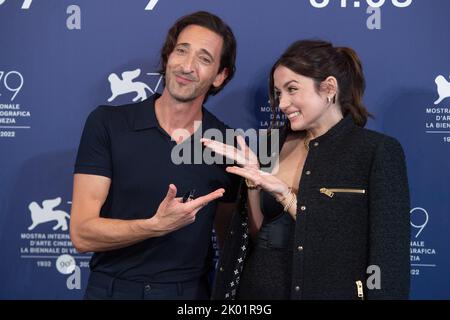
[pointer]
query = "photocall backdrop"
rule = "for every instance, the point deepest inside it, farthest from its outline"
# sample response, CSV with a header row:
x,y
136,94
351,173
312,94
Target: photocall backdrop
x,y
60,59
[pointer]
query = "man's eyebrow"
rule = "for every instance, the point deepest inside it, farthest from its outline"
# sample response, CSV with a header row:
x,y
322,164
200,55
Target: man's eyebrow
x,y
183,44
204,51
207,53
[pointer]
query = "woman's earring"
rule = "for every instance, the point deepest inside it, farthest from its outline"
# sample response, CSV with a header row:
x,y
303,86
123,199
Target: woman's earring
x,y
328,99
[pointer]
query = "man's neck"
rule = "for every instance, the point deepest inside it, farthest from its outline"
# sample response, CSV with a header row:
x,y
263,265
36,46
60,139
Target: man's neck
x,y
173,114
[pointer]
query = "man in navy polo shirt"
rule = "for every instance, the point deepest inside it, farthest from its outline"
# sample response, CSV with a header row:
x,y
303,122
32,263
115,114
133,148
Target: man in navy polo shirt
x,y
127,206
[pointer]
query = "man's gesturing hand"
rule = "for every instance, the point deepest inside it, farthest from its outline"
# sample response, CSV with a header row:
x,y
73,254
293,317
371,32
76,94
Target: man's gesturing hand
x,y
173,214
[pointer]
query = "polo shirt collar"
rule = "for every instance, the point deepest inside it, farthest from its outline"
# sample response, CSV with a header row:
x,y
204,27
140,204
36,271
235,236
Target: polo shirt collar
x,y
144,116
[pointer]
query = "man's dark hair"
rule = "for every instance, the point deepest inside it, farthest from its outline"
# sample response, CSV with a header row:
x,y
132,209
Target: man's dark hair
x,y
213,23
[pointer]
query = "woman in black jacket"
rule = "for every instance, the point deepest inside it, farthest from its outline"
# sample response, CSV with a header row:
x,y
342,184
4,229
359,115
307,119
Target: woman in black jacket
x,y
332,222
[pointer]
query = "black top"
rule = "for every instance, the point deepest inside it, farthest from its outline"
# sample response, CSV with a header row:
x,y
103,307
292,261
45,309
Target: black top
x,y
276,226
270,207
341,237
126,144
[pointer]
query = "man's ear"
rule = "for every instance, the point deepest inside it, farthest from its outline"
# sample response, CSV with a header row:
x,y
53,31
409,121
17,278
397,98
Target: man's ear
x,y
220,78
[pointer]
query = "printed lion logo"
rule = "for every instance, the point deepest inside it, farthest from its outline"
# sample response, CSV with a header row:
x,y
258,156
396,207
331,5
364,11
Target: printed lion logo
x,y
443,88
47,213
126,85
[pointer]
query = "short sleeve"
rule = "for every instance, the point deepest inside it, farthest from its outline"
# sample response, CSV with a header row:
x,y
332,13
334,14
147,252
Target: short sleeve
x,y
94,151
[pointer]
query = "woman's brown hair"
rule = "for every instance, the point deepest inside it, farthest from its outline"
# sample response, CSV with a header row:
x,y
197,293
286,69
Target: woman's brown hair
x,y
319,60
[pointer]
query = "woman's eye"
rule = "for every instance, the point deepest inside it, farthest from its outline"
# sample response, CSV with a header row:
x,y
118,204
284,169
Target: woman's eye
x,y
292,89
180,50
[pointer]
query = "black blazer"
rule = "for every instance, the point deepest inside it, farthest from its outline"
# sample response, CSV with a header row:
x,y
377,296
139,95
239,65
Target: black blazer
x,y
352,221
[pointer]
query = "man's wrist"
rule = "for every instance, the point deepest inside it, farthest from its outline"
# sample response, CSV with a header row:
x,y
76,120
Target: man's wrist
x,y
151,226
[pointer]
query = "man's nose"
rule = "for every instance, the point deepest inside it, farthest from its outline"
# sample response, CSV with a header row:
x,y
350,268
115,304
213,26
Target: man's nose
x,y
188,64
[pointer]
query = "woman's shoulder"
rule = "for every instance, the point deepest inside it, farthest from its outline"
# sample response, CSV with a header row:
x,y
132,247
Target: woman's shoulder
x,y
376,140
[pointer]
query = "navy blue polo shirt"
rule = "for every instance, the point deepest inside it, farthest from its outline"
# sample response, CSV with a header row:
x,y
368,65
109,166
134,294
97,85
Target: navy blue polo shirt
x,y
127,144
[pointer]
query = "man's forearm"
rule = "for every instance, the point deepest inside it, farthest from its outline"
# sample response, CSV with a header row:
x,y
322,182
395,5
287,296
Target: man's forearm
x,y
103,234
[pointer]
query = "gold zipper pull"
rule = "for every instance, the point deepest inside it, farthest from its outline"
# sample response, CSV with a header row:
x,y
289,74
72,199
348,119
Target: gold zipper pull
x,y
359,287
327,192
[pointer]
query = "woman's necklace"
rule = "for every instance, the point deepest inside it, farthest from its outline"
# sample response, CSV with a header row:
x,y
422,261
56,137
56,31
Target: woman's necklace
x,y
306,142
